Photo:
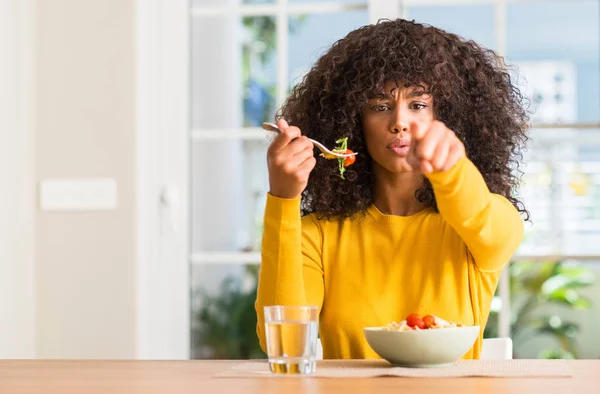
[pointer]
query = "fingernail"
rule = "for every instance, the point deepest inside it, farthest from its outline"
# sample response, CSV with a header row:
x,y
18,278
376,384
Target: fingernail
x,y
283,123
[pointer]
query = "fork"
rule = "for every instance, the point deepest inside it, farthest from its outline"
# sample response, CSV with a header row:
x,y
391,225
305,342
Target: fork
x,y
328,154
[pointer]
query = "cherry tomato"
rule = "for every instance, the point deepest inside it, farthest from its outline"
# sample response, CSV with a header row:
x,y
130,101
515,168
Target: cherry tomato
x,y
414,320
429,321
350,159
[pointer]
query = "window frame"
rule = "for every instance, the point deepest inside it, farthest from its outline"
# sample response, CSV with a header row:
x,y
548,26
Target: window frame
x,y
162,180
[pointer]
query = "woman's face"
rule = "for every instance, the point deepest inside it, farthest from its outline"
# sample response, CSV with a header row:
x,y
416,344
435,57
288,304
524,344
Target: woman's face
x,y
388,121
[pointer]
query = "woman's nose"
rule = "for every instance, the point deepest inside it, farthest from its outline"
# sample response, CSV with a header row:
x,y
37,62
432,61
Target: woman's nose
x,y
400,124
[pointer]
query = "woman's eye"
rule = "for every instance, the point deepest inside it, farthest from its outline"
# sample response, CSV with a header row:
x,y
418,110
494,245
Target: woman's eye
x,y
380,108
418,106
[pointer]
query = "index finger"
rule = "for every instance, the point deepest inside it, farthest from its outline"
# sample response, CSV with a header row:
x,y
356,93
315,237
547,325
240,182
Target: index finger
x,y
287,135
417,132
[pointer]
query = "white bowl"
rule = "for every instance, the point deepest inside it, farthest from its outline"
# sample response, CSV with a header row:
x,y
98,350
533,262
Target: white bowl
x,y
423,348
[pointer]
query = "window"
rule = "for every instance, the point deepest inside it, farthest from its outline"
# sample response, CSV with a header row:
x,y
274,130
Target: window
x,y
559,60
245,55
257,51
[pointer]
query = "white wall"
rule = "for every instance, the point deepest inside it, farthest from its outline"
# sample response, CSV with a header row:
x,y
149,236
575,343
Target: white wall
x,y
70,116
85,262
17,293
77,296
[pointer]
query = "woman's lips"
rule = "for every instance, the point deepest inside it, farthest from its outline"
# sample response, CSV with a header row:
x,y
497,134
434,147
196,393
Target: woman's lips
x,y
400,147
400,150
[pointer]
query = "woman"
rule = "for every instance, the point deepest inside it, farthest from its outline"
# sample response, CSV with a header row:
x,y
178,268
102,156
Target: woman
x,y
426,218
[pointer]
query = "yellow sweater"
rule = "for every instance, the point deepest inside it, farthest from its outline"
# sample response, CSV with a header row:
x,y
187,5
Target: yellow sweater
x,y
375,269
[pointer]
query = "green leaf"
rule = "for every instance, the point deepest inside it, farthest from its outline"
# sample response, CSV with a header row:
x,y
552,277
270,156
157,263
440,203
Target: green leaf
x,y
554,325
555,354
576,272
561,280
226,323
341,167
569,297
536,285
534,275
342,144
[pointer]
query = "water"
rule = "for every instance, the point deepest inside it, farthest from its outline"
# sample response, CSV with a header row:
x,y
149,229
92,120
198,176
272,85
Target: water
x,y
292,346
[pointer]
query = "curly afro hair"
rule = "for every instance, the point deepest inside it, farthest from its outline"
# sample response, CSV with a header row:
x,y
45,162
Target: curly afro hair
x,y
473,95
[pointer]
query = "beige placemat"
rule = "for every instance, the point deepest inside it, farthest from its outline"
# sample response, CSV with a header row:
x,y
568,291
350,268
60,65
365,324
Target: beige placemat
x,y
375,368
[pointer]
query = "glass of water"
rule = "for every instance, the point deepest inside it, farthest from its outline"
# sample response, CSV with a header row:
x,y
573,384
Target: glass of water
x,y
292,338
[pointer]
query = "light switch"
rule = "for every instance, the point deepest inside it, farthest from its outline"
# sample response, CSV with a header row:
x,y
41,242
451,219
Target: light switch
x,y
87,194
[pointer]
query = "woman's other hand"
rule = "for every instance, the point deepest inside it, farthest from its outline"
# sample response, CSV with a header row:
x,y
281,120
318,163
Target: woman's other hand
x,y
435,149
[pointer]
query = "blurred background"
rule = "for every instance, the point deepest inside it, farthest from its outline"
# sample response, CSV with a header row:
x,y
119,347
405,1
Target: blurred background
x,y
134,177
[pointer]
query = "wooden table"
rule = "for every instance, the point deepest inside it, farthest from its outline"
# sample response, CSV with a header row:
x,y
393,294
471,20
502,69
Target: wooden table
x,y
176,377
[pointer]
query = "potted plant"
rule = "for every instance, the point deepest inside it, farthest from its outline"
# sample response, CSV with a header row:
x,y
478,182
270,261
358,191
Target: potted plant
x,y
224,327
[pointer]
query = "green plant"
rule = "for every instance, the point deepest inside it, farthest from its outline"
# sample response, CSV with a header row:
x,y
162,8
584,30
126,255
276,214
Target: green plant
x,y
225,325
536,289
